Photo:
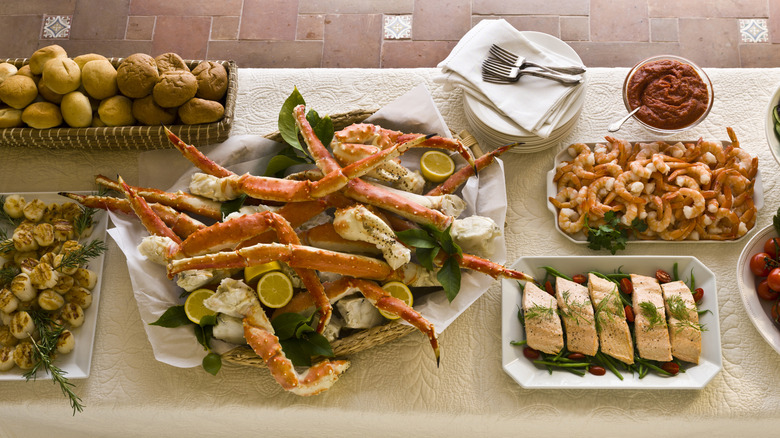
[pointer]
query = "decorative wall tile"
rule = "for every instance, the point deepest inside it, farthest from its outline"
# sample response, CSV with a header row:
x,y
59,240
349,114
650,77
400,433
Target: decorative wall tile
x,y
56,27
753,30
398,27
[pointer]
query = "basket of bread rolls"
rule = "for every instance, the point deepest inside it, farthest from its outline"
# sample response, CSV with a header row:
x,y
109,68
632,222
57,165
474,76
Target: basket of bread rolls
x,y
89,101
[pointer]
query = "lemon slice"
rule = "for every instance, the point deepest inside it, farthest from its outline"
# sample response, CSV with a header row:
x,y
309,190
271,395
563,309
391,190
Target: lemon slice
x,y
436,166
274,289
400,291
252,273
194,308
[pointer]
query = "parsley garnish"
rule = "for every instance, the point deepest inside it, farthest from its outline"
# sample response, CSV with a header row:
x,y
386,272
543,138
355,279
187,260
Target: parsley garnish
x,y
612,235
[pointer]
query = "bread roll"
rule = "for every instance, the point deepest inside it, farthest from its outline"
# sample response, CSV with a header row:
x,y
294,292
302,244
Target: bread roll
x,y
18,91
198,110
136,75
25,71
62,75
10,118
116,111
96,122
45,92
82,60
174,88
43,55
147,112
42,115
76,109
6,70
169,62
212,80
99,79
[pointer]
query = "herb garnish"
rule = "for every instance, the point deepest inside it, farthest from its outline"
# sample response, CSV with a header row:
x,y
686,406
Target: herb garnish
x,y
612,235
175,316
298,338
43,356
575,309
652,314
429,242
679,311
322,126
539,311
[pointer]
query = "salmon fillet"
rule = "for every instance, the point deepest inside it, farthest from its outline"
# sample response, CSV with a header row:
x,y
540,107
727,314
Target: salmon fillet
x,y
614,335
543,329
684,328
650,327
577,314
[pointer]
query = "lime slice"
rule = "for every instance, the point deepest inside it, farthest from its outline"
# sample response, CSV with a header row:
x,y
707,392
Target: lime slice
x,y
274,289
194,308
252,273
436,166
400,291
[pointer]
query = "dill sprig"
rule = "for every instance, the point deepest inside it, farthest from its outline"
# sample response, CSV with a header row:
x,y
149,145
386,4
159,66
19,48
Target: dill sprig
x,y
575,309
679,311
652,314
43,356
81,256
604,309
539,311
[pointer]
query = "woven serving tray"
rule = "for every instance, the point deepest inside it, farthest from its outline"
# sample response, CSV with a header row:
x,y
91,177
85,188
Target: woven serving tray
x,y
127,137
363,339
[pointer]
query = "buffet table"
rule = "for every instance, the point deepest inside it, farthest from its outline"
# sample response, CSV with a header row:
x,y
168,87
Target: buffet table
x,y
396,389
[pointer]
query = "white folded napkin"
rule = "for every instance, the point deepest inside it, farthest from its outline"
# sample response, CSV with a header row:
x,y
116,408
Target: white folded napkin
x,y
535,104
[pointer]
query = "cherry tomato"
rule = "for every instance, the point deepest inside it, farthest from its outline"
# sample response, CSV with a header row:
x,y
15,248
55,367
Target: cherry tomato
x,y
776,312
629,314
670,367
576,356
548,287
773,279
530,353
698,294
626,286
758,264
579,278
663,276
769,246
597,370
765,292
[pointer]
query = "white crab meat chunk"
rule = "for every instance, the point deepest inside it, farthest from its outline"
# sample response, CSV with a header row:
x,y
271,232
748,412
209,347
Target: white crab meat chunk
x,y
578,318
650,328
229,329
212,187
156,248
358,312
475,234
193,279
249,209
333,329
358,223
235,298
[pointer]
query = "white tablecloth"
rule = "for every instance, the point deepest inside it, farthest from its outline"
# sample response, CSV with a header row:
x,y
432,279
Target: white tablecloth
x,y
396,389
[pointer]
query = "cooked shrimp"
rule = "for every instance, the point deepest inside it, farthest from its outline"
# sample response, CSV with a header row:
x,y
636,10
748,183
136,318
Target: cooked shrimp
x,y
640,169
664,209
571,221
687,181
712,153
623,147
625,187
599,193
699,171
568,197
569,179
608,169
606,153
680,233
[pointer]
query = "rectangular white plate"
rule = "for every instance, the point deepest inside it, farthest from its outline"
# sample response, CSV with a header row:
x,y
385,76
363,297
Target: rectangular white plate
x,y
529,375
76,364
563,155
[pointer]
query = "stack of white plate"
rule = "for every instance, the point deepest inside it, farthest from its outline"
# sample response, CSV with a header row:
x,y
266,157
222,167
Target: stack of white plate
x,y
494,129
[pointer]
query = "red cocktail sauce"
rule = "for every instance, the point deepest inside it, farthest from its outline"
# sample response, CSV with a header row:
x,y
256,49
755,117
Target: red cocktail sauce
x,y
672,94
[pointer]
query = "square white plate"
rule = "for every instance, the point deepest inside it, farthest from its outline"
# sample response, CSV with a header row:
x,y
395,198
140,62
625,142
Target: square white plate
x,y
563,155
76,364
529,375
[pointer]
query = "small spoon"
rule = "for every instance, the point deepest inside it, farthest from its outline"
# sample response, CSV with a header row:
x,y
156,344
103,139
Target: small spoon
x,y
614,126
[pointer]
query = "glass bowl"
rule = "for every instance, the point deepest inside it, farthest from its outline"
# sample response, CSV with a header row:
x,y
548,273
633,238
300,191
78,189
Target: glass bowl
x,y
664,131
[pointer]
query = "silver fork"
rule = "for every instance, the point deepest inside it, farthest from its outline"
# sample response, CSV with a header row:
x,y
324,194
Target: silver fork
x,y
496,72
510,58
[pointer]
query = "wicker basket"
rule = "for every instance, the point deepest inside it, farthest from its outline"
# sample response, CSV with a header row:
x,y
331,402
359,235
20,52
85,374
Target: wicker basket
x,y
363,339
127,137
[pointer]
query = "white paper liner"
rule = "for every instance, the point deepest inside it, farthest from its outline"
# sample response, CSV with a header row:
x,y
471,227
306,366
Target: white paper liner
x,y
154,292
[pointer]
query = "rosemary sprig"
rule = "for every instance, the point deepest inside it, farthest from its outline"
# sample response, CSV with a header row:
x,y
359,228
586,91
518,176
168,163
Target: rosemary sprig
x,y
6,246
84,220
8,274
80,257
43,356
